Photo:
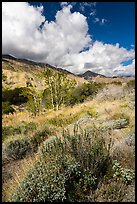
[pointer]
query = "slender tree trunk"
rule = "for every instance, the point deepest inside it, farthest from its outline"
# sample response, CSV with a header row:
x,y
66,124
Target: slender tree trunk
x,y
51,93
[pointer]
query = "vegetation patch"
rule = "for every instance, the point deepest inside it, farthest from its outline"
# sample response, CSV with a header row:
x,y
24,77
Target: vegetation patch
x,y
7,108
81,93
119,115
131,84
21,129
63,120
41,135
18,149
68,169
13,96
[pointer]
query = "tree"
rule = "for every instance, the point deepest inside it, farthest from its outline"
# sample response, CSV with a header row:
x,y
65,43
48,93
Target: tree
x,y
58,85
34,96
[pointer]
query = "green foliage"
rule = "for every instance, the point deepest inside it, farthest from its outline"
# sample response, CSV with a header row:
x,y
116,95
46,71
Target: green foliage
x,y
119,115
127,175
6,130
61,120
130,139
121,123
115,124
116,83
92,113
4,77
34,103
21,129
13,96
68,169
41,135
131,84
58,85
18,149
82,92
7,108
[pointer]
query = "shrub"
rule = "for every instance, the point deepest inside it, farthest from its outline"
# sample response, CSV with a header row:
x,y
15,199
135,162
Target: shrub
x,y
40,136
62,120
92,113
21,129
110,191
121,123
13,96
127,175
116,82
18,149
114,124
131,84
130,139
6,130
82,92
118,116
67,170
4,77
7,108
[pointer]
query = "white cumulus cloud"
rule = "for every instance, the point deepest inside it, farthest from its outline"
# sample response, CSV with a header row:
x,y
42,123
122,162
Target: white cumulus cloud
x,y
64,42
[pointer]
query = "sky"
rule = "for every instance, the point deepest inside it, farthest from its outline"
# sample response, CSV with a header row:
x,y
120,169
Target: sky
x,y
77,36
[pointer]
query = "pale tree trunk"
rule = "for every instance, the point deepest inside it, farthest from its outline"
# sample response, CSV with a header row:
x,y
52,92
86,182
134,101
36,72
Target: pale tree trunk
x,y
51,94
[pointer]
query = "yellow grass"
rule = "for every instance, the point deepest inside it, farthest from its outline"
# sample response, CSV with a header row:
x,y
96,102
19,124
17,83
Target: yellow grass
x,y
18,173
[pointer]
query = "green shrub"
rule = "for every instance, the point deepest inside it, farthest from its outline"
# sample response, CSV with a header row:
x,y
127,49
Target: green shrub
x,y
21,129
6,130
116,82
62,120
4,77
121,123
7,108
92,113
115,124
127,175
130,139
82,92
18,149
13,96
131,84
68,169
41,135
118,116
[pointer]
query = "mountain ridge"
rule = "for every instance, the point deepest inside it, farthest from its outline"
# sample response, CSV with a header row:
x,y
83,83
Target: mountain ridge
x,y
87,75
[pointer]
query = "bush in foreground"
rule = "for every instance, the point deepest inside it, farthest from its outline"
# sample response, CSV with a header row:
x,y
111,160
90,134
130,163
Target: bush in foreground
x,y
67,170
70,169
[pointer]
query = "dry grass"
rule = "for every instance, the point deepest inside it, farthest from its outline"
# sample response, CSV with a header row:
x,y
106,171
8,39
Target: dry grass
x,y
17,74
16,118
18,174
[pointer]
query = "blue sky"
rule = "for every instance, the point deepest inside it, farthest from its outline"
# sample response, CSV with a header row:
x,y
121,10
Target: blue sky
x,y
120,16
72,35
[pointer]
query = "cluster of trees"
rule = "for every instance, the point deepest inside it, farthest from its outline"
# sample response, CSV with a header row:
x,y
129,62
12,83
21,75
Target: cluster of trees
x,y
81,93
59,89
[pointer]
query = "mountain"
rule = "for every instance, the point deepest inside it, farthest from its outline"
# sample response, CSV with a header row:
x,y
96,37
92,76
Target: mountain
x,y
18,71
6,57
88,75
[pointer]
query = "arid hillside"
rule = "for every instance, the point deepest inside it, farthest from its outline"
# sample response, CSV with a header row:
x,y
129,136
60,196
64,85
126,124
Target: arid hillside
x,y
82,151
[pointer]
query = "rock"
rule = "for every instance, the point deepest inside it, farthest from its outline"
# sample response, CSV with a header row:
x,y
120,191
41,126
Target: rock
x,y
84,120
130,140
